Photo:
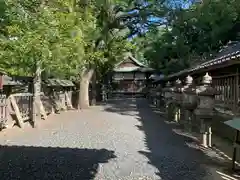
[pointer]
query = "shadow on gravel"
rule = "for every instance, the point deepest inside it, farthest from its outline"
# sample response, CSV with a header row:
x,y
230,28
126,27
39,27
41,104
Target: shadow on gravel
x,y
48,163
168,151
122,106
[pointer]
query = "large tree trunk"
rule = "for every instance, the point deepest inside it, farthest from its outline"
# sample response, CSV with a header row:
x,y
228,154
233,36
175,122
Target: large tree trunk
x,y
86,76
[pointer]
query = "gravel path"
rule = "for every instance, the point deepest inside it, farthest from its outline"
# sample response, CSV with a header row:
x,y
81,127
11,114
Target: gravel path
x,y
123,140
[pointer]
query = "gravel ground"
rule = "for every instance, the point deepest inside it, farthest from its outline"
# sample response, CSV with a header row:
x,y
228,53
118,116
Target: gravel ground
x,y
123,140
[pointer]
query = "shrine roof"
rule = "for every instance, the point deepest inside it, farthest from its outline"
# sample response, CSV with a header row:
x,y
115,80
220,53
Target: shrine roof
x,y
2,71
230,52
140,66
10,81
133,69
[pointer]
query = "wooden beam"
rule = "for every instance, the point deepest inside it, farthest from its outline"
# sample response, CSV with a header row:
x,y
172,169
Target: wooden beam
x,y
16,110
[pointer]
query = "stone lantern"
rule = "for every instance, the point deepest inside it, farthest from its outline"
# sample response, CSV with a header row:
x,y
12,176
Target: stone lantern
x,y
158,95
168,91
152,95
190,102
177,99
168,97
205,109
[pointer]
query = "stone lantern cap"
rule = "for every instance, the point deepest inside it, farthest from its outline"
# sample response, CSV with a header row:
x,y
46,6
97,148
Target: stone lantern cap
x,y
168,84
207,79
189,79
205,89
177,87
178,82
188,88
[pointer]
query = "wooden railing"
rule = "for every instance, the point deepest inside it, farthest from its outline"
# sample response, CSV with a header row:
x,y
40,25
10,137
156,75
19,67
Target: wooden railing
x,y
21,106
228,98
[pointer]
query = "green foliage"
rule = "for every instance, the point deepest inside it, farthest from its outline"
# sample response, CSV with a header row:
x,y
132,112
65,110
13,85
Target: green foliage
x,y
65,36
191,35
70,36
40,33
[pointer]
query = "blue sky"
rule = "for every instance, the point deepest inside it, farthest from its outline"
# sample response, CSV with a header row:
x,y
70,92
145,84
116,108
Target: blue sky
x,y
185,4
173,4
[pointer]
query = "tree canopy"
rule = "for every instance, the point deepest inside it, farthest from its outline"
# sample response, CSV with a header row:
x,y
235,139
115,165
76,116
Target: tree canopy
x,y
64,35
192,34
68,35
71,38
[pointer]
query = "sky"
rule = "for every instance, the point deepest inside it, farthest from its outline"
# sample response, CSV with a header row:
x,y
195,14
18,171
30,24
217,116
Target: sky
x,y
184,4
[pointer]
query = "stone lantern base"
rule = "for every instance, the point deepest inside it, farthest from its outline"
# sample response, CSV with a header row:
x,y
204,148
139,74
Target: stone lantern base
x,y
205,126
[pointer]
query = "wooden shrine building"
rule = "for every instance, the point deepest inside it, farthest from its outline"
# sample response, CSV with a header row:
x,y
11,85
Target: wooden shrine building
x,y
129,78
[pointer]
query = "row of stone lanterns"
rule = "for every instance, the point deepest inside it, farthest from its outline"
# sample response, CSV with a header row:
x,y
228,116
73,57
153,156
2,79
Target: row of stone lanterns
x,y
190,101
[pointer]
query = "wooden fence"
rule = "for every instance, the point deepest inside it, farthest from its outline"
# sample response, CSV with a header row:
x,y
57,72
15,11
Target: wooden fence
x,y
3,110
17,108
